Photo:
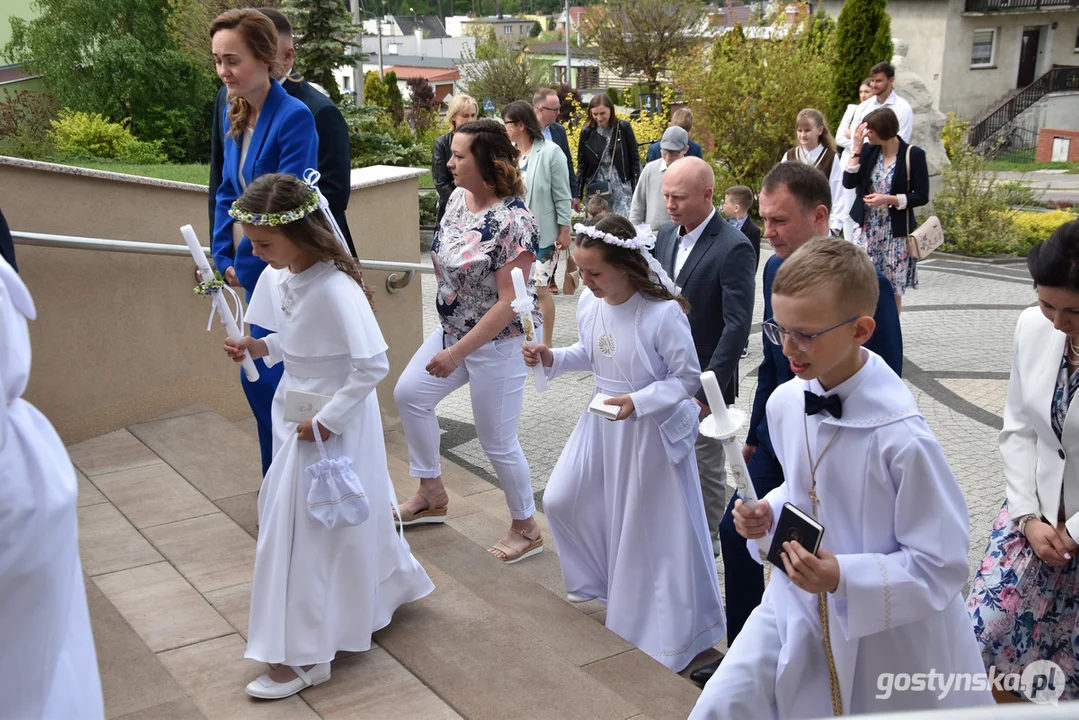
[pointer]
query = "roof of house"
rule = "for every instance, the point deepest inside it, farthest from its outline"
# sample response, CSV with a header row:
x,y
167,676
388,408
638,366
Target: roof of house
x,y
430,25
422,61
493,19
558,47
12,73
433,75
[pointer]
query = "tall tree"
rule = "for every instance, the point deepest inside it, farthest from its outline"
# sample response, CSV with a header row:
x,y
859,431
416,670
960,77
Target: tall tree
x,y
115,57
863,38
505,76
321,31
747,88
640,37
189,22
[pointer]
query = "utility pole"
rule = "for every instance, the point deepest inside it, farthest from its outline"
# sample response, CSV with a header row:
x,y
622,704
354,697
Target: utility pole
x,y
569,62
378,22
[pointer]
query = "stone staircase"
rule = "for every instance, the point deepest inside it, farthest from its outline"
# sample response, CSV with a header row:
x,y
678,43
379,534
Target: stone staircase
x,y
167,512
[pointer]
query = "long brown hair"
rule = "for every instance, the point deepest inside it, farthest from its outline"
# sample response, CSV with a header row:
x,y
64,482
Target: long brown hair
x,y
816,117
259,33
496,157
605,100
278,192
632,262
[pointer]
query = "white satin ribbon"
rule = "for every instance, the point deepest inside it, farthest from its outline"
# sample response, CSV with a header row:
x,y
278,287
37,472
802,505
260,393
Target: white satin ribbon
x,y
237,314
311,178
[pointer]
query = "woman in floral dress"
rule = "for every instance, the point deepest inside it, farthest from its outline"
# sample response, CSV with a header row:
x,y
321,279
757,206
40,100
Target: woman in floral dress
x,y
890,178
1024,601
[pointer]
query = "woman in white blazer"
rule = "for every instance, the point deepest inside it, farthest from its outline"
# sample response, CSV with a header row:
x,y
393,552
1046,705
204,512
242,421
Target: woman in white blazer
x,y
546,196
1024,601
843,138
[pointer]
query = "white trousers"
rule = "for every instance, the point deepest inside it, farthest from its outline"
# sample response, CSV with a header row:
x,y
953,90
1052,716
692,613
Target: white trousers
x,y
497,396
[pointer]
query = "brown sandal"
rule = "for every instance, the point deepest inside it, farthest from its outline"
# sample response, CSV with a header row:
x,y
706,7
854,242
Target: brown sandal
x,y
432,514
513,555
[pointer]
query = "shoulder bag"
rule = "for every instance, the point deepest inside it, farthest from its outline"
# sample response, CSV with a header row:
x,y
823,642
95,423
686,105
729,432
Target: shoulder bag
x,y
928,236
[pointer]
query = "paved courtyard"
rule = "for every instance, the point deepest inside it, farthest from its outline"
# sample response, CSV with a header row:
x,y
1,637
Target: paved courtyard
x,y
957,337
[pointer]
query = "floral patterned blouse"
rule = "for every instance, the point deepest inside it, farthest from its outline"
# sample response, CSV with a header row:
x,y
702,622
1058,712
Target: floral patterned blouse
x,y
1062,396
469,249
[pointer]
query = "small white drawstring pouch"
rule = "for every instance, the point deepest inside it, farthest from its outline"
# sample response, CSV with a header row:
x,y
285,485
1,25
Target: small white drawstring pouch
x,y
336,497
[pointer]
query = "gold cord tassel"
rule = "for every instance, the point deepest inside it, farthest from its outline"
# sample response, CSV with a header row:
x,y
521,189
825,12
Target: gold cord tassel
x,y
833,676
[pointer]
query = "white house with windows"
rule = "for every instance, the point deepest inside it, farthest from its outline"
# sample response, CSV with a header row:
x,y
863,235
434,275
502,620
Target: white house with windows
x,y
506,29
974,55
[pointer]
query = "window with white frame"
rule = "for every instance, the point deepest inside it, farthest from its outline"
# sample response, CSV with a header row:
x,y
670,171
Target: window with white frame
x,y
1077,40
984,48
507,29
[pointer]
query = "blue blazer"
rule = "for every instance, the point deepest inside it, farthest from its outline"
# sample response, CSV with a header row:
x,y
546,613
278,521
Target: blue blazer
x,y
284,141
775,369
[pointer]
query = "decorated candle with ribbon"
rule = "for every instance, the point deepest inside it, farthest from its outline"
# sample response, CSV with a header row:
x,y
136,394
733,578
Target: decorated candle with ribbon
x,y
522,305
723,425
216,290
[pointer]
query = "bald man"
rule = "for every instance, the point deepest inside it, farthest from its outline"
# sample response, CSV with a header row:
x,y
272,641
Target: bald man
x,y
714,264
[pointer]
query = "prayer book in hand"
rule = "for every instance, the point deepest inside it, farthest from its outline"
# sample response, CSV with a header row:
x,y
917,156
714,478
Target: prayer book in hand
x,y
794,526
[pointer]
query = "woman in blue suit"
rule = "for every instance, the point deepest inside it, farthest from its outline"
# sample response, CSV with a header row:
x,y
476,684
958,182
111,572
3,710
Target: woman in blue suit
x,y
267,131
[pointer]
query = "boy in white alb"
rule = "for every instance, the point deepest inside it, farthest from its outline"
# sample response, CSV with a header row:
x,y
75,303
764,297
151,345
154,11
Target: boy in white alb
x,y
882,595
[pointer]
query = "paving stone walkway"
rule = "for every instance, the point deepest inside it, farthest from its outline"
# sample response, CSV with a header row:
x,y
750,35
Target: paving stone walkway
x,y
957,337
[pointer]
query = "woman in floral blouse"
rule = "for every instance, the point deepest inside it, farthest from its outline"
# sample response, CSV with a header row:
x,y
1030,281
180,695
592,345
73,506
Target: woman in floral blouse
x,y
1024,601
486,232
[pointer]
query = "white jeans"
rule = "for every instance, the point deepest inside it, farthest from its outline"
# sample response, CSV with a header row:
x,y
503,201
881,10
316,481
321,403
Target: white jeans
x,y
497,397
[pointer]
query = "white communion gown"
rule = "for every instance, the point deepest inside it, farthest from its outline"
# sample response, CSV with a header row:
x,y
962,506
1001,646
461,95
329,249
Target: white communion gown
x,y
624,500
48,666
318,591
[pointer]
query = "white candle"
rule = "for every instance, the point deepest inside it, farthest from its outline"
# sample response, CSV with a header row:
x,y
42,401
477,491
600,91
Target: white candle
x,y
221,306
522,300
199,255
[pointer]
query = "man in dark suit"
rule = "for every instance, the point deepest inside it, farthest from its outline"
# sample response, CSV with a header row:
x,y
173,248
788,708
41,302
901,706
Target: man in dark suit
x,y
547,106
7,245
795,204
334,153
713,264
683,118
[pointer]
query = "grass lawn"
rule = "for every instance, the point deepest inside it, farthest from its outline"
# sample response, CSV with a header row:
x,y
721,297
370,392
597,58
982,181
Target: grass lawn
x,y
1002,165
194,173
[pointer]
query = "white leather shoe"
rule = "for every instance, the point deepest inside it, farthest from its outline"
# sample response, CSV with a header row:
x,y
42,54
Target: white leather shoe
x,y
265,688
578,598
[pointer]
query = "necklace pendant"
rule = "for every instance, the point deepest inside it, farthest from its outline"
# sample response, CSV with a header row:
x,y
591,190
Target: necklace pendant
x,y
606,345
286,304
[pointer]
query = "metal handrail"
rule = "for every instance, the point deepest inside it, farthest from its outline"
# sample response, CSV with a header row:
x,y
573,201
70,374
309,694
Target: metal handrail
x,y
401,273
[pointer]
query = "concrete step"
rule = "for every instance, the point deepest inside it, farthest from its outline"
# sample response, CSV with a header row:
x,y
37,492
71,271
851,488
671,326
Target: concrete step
x,y
167,513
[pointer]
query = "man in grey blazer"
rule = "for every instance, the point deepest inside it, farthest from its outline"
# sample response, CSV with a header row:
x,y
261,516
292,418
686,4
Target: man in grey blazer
x,y
714,265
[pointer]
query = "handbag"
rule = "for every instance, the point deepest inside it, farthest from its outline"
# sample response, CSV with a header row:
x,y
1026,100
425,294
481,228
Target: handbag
x,y
928,236
602,186
336,496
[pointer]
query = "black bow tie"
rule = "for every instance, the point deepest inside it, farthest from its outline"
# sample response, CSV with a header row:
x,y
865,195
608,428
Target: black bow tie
x,y
829,403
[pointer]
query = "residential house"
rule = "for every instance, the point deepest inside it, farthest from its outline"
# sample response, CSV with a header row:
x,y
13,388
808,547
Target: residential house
x,y
442,73
506,29
412,45
584,63
974,55
428,26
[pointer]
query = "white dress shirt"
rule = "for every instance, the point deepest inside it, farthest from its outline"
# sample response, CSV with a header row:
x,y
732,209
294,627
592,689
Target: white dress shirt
x,y
903,113
688,240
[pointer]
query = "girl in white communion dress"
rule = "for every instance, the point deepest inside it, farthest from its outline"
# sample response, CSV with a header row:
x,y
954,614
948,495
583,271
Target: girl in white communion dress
x,y
317,589
624,500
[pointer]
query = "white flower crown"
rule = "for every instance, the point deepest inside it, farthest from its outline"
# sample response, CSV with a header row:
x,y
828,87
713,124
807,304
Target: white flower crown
x,y
644,240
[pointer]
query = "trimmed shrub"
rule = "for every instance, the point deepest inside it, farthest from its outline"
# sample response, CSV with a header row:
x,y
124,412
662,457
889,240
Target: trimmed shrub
x,y
1033,227
79,133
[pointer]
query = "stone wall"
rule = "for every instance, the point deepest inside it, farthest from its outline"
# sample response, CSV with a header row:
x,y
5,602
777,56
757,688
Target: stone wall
x,y
121,338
